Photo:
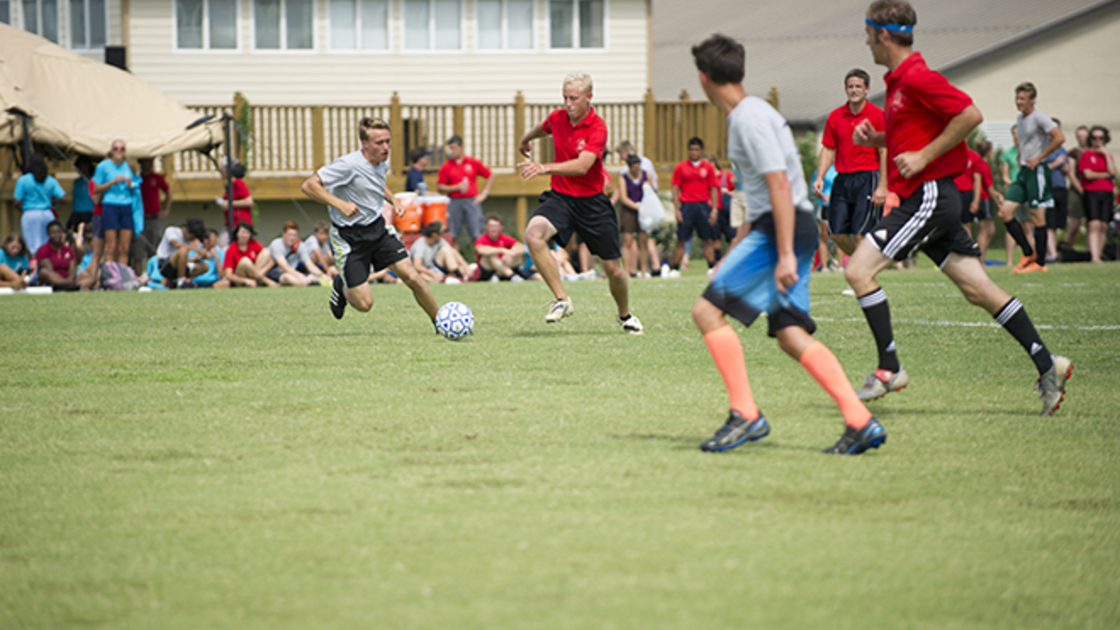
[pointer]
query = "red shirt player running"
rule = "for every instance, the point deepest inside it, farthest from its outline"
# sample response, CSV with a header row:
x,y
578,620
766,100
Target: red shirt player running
x,y
576,203
860,189
927,120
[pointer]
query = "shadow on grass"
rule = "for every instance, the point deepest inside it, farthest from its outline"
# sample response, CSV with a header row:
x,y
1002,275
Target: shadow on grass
x,y
692,443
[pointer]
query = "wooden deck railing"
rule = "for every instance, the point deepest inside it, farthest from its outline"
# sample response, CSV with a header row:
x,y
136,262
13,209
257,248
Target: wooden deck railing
x,y
299,139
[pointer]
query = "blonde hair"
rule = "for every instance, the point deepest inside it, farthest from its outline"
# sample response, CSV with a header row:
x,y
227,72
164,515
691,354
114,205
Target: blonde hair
x,y
367,123
582,78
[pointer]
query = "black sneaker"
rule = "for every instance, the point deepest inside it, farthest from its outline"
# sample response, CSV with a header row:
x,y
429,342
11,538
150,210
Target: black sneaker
x,y
338,298
854,442
736,431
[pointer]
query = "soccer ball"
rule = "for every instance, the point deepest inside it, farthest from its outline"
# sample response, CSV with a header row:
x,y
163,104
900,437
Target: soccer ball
x,y
455,321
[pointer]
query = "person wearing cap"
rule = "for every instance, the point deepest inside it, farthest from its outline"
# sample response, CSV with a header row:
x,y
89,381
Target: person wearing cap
x,y
458,179
414,179
247,260
436,260
242,205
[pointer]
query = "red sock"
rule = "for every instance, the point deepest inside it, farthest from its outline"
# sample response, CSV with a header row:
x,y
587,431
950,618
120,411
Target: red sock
x,y
822,365
727,352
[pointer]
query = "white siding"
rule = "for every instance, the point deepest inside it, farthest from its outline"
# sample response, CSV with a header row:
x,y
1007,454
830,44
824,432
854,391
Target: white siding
x,y
1076,75
323,77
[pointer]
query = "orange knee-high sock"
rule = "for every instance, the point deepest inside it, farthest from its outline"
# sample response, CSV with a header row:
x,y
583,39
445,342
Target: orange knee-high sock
x,y
727,352
822,365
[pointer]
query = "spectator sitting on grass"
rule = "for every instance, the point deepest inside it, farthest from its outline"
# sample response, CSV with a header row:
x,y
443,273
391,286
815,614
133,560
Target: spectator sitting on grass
x,y
434,259
213,275
188,261
316,252
499,255
246,259
287,265
57,262
14,263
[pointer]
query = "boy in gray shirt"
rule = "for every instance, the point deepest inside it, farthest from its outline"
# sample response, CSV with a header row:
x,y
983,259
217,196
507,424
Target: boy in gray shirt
x,y
353,188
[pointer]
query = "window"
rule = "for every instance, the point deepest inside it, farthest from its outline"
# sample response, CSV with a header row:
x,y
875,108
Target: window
x,y
204,24
359,24
284,24
87,24
41,17
6,11
504,24
577,23
433,25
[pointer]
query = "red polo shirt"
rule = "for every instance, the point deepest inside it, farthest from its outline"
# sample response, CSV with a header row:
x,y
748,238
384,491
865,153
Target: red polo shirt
x,y
695,182
452,173
851,157
240,191
505,241
234,253
60,258
1094,161
589,135
963,182
150,186
920,103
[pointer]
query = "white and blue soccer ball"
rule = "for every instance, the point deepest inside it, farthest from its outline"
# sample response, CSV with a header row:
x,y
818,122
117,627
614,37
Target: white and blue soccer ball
x,y
455,321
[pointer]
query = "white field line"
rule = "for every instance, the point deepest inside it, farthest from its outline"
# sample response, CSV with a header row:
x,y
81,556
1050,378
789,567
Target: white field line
x,y
949,324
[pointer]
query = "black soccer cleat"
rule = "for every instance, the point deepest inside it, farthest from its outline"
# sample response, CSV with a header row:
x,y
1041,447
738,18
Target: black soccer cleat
x,y
856,441
736,431
338,298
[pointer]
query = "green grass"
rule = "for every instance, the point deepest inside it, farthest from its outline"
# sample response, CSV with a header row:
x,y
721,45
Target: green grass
x,y
239,459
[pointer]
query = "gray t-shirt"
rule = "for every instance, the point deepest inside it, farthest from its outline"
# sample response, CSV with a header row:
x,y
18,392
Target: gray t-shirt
x,y
425,252
352,178
281,251
759,141
1034,135
310,245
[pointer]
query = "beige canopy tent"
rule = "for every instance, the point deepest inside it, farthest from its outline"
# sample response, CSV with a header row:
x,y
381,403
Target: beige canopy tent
x,y
81,106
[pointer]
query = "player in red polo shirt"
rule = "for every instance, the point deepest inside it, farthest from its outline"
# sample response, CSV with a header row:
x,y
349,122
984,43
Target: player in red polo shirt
x,y
927,120
860,188
576,203
458,179
696,198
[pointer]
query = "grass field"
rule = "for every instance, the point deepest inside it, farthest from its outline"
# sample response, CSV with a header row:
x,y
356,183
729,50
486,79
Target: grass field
x,y
239,459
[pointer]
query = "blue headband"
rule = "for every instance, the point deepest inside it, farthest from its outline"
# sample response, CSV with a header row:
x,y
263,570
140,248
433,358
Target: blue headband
x,y
894,28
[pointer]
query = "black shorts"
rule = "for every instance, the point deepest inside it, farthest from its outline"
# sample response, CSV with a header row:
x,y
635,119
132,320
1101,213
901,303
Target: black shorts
x,y
1057,215
591,218
358,247
274,273
694,218
77,218
984,212
1098,205
168,271
966,206
849,206
929,220
723,228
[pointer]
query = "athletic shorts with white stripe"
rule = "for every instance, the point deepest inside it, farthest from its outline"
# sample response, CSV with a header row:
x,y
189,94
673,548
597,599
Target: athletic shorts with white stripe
x,y
929,220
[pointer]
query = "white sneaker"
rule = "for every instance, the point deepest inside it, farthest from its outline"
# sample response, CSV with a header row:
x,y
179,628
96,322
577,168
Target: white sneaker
x,y
452,280
848,291
558,310
516,278
631,325
572,277
494,278
674,273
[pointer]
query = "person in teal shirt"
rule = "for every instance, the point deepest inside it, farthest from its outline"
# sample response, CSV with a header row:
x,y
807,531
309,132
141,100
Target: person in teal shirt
x,y
36,194
81,208
114,180
14,262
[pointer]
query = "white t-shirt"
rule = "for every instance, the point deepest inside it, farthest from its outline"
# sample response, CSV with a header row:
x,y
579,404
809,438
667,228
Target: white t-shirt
x,y
1034,134
165,249
352,178
425,252
281,251
759,141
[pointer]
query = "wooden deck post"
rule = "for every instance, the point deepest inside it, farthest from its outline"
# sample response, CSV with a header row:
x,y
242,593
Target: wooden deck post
x,y
239,105
518,120
396,129
318,138
521,214
649,127
458,115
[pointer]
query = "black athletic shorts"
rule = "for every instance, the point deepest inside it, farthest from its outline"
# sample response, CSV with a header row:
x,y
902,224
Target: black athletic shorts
x,y
723,228
1098,205
1058,214
849,205
77,218
358,247
592,218
694,217
966,206
929,220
